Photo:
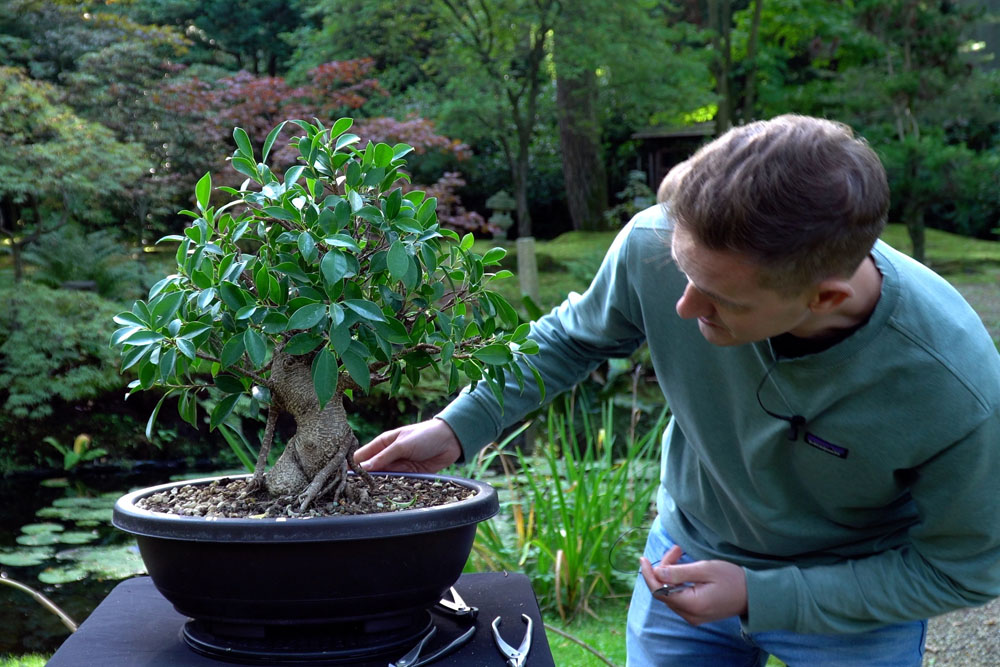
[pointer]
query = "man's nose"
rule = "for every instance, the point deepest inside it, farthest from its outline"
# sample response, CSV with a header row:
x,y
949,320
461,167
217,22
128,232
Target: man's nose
x,y
694,304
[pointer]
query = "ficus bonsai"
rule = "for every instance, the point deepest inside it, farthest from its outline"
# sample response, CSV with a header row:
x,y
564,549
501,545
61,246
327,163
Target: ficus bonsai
x,y
305,288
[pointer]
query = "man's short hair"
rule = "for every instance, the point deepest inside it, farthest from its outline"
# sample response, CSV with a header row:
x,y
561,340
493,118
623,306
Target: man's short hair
x,y
803,198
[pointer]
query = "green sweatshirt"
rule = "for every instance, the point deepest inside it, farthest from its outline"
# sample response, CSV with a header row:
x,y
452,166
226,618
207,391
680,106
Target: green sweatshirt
x,y
884,509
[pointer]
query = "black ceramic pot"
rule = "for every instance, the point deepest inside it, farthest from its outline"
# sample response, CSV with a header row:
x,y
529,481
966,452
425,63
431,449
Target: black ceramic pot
x,y
369,574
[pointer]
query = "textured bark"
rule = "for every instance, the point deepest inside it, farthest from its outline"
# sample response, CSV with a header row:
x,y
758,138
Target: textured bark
x,y
580,143
321,452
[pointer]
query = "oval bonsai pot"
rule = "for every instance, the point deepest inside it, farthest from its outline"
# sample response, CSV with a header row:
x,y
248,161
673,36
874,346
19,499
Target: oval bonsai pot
x,y
319,570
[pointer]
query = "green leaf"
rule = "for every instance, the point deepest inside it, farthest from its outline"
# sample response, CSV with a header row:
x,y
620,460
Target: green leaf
x,y
346,140
246,167
164,307
355,200
307,246
187,408
222,410
392,203
383,155
143,338
334,266
232,351
342,241
280,213
365,309
494,255
232,295
155,414
398,260
187,348
256,347
467,242
122,334
307,316
357,368
274,322
495,355
324,375
271,136
203,190
130,319
243,142
293,174
427,209
230,384
340,126
168,361
528,347
303,343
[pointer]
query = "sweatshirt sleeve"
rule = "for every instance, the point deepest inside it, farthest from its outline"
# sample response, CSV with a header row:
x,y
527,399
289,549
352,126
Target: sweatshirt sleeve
x,y
951,559
573,339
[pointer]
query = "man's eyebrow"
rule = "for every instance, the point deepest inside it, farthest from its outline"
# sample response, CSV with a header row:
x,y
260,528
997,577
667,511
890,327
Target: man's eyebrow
x,y
708,293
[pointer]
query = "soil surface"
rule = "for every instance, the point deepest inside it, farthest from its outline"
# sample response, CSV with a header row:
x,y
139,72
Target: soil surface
x,y
965,638
227,497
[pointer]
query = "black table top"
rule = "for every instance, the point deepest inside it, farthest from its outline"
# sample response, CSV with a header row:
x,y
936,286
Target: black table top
x,y
135,626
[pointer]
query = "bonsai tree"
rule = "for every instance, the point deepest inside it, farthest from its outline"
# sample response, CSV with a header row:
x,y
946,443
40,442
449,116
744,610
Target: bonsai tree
x,y
305,288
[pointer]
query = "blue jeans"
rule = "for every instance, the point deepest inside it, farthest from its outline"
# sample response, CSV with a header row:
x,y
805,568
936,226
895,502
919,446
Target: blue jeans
x,y
657,637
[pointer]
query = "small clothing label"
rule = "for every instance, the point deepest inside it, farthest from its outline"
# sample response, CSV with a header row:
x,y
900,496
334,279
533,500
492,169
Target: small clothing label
x,y
828,447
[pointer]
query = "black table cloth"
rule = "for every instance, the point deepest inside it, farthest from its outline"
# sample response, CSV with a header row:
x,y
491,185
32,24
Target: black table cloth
x,y
135,626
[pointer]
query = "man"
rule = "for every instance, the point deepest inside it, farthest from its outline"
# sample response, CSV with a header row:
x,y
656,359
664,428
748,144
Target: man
x,y
828,478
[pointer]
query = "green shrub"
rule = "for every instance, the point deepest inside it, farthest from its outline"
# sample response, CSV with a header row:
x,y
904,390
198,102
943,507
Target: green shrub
x,y
53,345
69,255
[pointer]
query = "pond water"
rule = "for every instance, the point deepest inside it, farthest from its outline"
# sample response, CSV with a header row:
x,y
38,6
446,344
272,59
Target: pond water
x,y
56,537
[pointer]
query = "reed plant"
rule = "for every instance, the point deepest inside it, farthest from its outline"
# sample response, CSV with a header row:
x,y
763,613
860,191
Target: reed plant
x,y
564,508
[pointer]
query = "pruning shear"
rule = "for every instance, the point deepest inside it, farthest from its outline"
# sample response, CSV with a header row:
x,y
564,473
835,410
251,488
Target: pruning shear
x,y
672,588
516,657
413,659
456,606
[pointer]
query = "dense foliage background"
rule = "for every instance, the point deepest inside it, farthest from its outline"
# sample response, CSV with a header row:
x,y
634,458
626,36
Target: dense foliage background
x,y
110,111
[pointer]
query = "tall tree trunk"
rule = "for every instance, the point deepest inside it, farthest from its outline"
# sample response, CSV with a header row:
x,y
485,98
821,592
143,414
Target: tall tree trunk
x,y
520,175
720,21
750,89
584,173
913,216
8,220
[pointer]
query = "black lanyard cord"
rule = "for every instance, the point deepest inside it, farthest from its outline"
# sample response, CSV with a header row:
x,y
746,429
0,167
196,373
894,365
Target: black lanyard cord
x,y
796,422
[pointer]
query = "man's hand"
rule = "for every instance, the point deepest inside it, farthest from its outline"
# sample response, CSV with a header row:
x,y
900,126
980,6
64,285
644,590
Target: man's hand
x,y
425,447
719,591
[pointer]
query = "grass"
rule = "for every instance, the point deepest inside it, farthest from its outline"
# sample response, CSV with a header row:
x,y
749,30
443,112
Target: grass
x,y
29,660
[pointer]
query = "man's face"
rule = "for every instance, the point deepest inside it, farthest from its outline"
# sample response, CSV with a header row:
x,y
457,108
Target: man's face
x,y
723,294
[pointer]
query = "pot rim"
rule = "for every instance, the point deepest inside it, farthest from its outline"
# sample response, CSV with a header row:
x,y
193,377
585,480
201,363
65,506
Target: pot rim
x,y
127,517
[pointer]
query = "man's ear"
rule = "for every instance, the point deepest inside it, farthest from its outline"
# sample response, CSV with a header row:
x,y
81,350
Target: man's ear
x,y
829,294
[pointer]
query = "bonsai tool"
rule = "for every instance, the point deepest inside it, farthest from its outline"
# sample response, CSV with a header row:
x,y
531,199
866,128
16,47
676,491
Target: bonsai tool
x,y
456,606
672,588
516,657
413,659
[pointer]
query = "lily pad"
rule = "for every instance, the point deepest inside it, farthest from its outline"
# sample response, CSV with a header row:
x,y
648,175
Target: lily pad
x,y
39,540
37,528
106,562
82,501
55,483
62,575
78,537
75,514
25,557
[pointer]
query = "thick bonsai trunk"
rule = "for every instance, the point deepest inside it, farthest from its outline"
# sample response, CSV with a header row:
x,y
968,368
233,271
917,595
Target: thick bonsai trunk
x,y
319,455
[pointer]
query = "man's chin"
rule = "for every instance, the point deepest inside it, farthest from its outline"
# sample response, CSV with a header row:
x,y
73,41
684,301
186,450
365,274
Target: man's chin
x,y
717,335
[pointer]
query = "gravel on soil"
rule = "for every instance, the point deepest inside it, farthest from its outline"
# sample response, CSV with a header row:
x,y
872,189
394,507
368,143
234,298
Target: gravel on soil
x,y
965,638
